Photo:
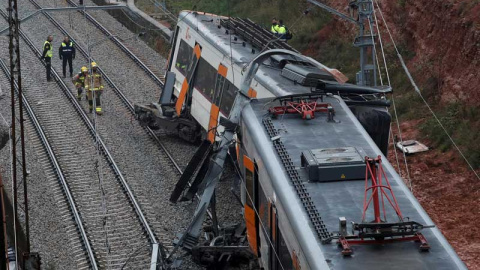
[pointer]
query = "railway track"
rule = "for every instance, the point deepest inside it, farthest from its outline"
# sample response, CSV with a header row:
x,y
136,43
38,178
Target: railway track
x,y
119,93
120,45
112,228
159,80
86,256
121,99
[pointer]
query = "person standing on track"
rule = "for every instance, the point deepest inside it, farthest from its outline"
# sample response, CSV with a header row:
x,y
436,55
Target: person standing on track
x,y
79,81
67,53
94,87
47,55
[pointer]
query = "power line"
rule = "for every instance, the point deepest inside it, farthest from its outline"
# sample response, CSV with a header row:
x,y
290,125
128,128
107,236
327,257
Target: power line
x,y
412,81
394,106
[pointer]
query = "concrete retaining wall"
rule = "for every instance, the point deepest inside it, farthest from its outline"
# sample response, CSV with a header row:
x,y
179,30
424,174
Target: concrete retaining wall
x,y
155,37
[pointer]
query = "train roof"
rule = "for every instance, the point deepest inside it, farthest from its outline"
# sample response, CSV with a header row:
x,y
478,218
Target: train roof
x,y
345,198
331,199
224,34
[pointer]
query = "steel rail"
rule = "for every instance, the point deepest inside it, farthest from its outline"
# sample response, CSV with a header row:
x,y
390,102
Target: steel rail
x,y
58,170
127,102
120,45
117,89
114,86
35,13
150,73
86,120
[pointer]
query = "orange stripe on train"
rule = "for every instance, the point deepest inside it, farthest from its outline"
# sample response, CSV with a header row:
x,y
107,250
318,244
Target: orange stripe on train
x,y
181,97
214,111
222,70
251,230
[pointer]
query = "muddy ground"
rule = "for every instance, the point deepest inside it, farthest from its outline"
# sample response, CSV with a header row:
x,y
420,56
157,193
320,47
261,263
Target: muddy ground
x,y
448,190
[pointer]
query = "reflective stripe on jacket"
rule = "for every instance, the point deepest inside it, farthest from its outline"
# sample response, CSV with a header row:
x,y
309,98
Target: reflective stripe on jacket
x,y
79,79
66,49
49,49
97,82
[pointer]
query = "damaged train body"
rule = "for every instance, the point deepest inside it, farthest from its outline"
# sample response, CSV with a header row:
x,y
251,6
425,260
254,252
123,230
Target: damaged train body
x,y
310,149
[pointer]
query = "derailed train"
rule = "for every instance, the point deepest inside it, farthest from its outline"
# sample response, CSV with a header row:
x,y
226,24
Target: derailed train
x,y
305,141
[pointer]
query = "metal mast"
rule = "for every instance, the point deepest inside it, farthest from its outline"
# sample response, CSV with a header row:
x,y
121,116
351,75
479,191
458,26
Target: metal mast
x,y
361,13
15,75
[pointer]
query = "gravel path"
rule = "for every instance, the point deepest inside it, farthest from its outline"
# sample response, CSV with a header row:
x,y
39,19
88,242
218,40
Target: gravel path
x,y
48,231
145,167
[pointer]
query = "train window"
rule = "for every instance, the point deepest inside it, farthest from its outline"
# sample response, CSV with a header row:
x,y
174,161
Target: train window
x,y
228,97
205,79
283,253
183,57
170,55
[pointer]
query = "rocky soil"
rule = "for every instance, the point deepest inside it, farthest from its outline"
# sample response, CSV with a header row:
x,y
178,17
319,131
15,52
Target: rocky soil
x,y
448,191
441,42
443,37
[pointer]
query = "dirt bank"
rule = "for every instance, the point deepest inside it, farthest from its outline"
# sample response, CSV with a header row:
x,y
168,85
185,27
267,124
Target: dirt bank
x,y
448,191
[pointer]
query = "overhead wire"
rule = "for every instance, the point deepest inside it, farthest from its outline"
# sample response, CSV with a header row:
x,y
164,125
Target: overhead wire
x,y
409,179
389,84
97,164
417,90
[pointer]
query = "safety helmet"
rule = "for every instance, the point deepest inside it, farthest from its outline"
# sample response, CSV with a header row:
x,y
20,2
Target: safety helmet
x,y
94,64
84,69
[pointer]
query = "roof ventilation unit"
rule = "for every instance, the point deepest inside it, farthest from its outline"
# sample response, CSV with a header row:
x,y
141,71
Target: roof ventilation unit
x,y
333,164
305,75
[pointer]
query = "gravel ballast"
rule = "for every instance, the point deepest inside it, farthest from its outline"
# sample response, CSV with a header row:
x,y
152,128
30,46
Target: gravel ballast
x,y
145,167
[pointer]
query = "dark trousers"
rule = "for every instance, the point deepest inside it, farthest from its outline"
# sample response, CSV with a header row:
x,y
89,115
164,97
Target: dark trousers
x,y
94,95
65,59
48,61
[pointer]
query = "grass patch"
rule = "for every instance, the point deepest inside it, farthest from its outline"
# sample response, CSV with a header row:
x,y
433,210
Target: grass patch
x,y
460,122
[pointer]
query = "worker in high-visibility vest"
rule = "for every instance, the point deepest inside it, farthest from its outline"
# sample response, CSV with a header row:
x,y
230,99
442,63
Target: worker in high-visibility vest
x,y
79,81
274,27
282,31
66,52
47,55
94,87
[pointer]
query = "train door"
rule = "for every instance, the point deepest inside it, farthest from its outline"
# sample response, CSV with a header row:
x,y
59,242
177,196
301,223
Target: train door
x,y
251,204
220,83
280,258
192,71
189,72
172,50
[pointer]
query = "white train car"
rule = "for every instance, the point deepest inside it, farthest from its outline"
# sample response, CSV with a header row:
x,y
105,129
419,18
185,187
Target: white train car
x,y
292,206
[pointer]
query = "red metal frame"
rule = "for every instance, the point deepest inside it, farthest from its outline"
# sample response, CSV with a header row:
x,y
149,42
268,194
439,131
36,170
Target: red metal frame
x,y
305,108
379,183
378,188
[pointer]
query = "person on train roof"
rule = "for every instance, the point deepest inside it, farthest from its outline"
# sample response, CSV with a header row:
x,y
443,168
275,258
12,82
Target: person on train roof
x,y
274,27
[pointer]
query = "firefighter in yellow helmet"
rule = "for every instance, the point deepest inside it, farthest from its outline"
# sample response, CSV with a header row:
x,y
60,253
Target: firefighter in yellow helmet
x,y
94,87
79,81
